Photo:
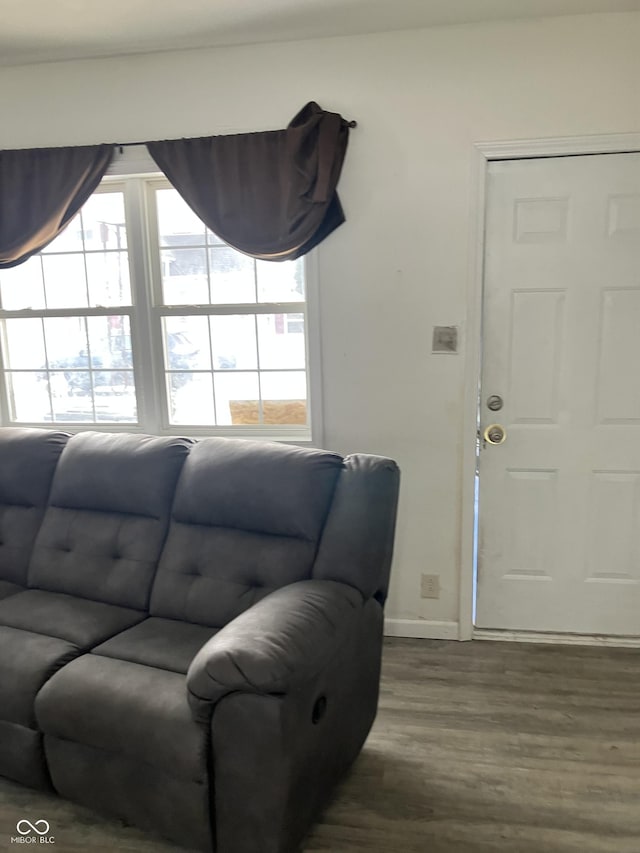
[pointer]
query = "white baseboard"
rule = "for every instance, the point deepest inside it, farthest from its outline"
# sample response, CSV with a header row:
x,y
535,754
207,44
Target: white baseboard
x,y
557,639
421,629
425,629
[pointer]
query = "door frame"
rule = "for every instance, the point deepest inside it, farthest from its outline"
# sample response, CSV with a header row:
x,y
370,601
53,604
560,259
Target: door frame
x,y
482,154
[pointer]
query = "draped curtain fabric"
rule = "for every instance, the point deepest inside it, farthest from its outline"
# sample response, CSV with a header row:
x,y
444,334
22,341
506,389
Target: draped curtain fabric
x,y
41,190
271,195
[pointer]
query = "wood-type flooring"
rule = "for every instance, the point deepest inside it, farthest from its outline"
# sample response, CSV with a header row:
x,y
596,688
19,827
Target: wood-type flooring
x,y
480,747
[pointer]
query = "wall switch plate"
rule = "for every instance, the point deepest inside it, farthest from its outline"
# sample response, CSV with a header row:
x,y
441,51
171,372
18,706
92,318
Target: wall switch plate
x,y
445,339
430,586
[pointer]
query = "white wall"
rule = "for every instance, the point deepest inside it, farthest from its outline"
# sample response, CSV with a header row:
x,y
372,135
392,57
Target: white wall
x,y
401,262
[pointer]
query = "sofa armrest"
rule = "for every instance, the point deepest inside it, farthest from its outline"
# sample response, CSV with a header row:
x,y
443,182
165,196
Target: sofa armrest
x,y
285,639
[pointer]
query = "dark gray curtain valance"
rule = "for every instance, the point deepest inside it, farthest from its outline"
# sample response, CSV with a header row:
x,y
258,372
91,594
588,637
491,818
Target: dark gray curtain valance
x,y
41,190
271,195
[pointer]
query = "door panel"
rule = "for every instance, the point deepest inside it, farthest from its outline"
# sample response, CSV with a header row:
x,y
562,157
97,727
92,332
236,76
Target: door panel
x,y
559,500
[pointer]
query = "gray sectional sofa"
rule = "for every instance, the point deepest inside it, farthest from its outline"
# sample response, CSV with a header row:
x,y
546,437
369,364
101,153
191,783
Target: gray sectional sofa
x,y
190,632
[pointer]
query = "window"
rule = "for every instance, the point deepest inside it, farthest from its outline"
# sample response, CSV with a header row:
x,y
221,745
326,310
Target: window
x,y
139,317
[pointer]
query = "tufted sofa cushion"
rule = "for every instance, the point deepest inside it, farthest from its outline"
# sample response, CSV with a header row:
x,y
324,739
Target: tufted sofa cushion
x,y
28,459
246,520
107,518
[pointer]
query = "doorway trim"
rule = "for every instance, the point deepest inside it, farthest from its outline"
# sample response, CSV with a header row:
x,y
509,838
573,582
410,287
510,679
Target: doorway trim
x,y
482,154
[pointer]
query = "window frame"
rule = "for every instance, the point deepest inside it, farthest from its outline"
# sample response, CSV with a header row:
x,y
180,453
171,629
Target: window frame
x,y
135,174
128,311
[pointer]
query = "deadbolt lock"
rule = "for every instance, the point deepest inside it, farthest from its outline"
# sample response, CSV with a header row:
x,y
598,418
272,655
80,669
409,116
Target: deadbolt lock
x,y
495,403
495,434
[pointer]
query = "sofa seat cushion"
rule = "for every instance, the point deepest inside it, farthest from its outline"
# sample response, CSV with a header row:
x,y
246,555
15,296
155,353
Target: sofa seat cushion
x,y
27,661
7,588
136,711
77,620
163,643
22,756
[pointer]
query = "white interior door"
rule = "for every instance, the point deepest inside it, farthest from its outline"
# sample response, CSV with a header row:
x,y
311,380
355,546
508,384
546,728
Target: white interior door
x,y
559,504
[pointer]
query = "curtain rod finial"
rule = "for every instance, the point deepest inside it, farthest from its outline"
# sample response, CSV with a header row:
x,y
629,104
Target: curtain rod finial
x,y
353,123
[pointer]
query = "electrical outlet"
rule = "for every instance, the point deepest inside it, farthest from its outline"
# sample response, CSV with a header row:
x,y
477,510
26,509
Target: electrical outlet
x,y
430,586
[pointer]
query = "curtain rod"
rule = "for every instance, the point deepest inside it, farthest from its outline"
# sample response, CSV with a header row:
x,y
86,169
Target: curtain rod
x,y
122,145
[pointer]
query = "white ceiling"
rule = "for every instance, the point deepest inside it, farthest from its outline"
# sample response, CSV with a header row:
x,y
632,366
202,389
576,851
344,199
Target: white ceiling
x,y
46,30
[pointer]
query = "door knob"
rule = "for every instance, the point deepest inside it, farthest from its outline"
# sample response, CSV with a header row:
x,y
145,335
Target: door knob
x,y
495,434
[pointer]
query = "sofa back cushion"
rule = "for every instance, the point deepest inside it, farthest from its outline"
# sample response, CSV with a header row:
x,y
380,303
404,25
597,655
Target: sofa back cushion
x,y
28,459
107,518
357,542
246,520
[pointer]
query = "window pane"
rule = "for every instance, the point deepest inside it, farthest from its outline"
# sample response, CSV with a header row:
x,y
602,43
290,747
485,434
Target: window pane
x,y
69,240
108,274
281,339
177,223
191,398
233,341
186,343
103,222
114,396
184,276
24,344
86,379
22,287
83,396
281,281
28,397
71,396
65,281
232,276
284,398
237,398
66,341
110,342
94,376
